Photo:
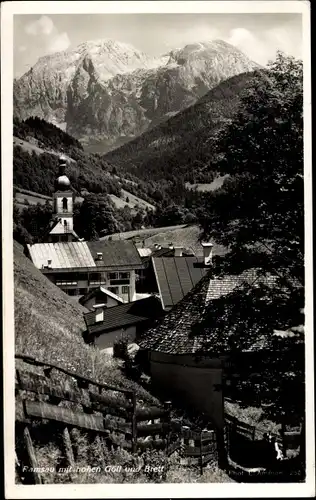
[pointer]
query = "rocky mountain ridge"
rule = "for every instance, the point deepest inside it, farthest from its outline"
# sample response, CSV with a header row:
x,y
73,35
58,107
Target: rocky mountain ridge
x,y
106,93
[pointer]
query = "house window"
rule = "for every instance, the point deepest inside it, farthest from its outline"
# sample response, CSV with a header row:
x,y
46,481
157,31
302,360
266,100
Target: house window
x,y
94,278
125,290
114,289
112,276
124,276
65,204
119,278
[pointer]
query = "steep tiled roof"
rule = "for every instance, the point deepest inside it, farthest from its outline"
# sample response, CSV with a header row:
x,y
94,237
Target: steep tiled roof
x,y
116,254
124,315
176,276
173,334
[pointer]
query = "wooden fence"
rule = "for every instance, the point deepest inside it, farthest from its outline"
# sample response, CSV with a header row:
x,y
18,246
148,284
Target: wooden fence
x,y
253,432
74,401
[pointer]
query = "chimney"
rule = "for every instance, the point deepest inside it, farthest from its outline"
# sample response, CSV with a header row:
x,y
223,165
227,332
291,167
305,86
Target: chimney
x,y
207,253
178,251
99,312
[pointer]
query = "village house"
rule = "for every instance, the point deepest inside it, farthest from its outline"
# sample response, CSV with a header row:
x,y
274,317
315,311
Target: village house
x,y
100,296
171,271
127,321
78,266
182,364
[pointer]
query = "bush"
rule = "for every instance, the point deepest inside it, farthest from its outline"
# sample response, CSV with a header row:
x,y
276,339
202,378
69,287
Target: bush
x,y
120,349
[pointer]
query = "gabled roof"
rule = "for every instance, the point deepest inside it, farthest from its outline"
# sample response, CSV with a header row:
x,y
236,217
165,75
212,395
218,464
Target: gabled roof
x,y
58,228
173,334
62,254
55,227
100,290
176,276
116,254
124,315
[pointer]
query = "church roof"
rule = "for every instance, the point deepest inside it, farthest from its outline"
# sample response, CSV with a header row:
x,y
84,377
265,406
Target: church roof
x,y
59,228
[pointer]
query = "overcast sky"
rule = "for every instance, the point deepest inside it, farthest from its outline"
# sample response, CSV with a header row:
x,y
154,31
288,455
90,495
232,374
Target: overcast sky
x,y
257,35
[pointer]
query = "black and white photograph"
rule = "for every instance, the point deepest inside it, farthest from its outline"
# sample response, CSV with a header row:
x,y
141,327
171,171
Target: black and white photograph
x,y
157,249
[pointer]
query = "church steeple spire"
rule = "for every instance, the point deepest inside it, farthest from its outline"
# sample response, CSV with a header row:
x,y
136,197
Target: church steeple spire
x,y
63,205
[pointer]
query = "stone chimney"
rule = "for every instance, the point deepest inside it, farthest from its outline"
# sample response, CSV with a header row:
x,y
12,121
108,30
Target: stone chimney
x,y
178,251
207,253
99,312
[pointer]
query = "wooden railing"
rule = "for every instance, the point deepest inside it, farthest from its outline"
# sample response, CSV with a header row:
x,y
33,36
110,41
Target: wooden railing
x,y
252,432
102,409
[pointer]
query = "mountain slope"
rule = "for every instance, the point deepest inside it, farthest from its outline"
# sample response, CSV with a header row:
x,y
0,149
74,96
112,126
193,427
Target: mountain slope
x,y
105,93
182,146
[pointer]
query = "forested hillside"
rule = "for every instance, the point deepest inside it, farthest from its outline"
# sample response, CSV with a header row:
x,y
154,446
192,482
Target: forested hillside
x,y
183,146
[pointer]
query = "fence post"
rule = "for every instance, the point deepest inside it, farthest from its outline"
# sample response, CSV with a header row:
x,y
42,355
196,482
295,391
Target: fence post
x,y
100,449
31,456
284,443
68,448
134,424
201,454
166,421
222,452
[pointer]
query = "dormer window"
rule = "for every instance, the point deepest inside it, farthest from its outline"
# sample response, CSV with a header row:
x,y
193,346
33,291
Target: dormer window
x,y
65,204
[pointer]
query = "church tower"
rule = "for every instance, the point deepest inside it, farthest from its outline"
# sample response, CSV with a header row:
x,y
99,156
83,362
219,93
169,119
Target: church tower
x,y
63,197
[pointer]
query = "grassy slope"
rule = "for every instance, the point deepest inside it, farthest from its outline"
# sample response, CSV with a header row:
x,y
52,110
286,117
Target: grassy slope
x,y
187,237
140,234
29,147
48,326
182,235
206,187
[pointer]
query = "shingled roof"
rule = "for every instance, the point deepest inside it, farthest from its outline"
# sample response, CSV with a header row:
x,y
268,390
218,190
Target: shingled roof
x,y
173,334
